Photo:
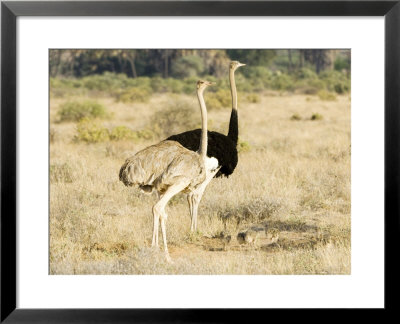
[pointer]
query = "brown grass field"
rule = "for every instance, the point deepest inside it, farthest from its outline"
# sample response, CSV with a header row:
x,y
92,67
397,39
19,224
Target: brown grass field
x,y
293,176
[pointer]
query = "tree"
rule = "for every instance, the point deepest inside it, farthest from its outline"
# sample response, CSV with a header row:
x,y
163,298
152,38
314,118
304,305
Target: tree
x,y
252,57
320,58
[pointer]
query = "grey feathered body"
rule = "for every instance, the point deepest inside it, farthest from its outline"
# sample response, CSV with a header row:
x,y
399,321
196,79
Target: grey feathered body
x,y
162,165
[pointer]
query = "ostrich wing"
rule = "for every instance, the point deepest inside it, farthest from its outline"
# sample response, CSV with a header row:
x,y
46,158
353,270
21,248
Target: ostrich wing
x,y
163,165
219,146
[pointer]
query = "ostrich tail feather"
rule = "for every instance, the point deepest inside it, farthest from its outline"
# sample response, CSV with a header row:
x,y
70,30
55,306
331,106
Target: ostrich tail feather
x,y
124,174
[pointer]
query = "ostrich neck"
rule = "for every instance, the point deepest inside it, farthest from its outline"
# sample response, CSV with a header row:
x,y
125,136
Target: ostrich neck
x,y
203,140
233,88
233,132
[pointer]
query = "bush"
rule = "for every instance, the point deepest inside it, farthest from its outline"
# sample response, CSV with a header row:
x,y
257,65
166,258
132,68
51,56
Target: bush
x,y
336,81
219,99
282,82
91,132
176,117
295,117
308,90
316,116
306,73
132,95
105,82
342,63
187,66
61,88
326,95
253,98
256,72
145,134
310,86
158,85
189,85
242,83
174,85
75,111
243,146
122,133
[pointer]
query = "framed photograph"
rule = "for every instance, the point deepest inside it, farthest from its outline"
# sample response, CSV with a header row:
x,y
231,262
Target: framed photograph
x,y
163,159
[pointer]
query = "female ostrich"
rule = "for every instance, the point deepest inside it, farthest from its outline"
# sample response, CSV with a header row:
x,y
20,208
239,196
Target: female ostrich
x,y
220,146
169,168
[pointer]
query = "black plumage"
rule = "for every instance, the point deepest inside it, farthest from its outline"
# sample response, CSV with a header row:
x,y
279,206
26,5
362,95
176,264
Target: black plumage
x,y
220,146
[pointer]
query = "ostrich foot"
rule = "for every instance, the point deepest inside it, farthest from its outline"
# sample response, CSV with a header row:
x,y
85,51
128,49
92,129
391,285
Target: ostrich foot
x,y
169,260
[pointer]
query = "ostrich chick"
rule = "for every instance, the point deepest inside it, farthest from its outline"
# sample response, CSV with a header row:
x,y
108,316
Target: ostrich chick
x,y
272,235
225,238
248,237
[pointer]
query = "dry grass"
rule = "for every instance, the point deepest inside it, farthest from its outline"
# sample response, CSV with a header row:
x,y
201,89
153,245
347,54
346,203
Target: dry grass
x,y
293,177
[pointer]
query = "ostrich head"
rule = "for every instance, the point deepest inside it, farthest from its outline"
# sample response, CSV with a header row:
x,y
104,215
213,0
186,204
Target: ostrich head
x,y
202,84
235,64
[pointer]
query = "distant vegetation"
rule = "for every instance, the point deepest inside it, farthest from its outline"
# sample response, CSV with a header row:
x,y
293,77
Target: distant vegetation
x,y
75,111
134,75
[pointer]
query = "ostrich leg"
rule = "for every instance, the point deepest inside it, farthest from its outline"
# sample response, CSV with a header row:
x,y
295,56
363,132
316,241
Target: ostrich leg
x,y
195,198
159,209
156,221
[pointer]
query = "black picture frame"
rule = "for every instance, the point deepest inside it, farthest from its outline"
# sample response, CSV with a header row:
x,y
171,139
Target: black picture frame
x,y
11,10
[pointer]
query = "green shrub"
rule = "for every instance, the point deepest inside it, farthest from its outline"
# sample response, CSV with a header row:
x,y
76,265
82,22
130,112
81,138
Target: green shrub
x,y
105,82
189,85
178,116
158,85
253,98
122,133
213,104
91,132
174,85
306,73
132,95
140,82
242,83
342,63
187,66
341,87
295,117
61,88
219,99
243,146
308,90
316,116
282,82
255,72
146,134
336,81
75,111
326,95
310,86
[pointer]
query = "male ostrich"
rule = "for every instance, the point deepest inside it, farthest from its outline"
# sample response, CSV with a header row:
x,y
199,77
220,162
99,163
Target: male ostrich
x,y
220,146
169,168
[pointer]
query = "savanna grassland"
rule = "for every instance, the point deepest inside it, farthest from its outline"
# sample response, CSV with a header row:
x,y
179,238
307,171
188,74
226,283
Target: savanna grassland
x,y
293,176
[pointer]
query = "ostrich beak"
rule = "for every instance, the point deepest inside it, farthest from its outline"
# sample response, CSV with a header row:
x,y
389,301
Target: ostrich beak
x,y
242,64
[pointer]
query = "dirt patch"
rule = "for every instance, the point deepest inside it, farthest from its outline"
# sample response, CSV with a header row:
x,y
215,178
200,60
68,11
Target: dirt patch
x,y
303,237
